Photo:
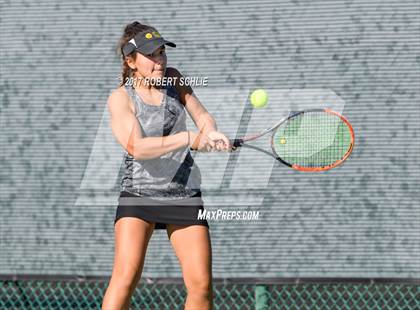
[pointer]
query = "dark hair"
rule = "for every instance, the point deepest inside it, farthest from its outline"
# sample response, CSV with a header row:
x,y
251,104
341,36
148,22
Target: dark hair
x,y
129,32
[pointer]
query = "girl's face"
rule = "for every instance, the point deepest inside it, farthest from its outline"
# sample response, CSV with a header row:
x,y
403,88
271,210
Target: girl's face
x,y
151,66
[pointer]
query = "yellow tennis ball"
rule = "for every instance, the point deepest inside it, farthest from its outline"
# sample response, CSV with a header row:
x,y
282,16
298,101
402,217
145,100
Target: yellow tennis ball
x,y
259,98
282,141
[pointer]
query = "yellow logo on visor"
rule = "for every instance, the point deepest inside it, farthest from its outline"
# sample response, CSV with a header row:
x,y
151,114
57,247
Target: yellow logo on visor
x,y
150,35
156,34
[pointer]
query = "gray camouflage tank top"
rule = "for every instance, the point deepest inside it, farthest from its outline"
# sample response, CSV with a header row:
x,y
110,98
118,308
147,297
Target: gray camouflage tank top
x,y
173,175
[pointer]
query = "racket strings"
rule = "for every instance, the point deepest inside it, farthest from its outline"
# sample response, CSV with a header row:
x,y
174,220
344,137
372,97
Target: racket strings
x,y
314,139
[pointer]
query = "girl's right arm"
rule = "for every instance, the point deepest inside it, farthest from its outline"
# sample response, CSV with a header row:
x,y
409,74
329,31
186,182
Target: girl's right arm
x,y
127,131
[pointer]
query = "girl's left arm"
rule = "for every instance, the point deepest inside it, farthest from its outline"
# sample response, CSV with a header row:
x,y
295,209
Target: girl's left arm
x,y
204,121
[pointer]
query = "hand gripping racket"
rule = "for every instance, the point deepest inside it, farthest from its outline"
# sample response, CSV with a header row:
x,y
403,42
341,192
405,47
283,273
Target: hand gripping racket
x,y
310,140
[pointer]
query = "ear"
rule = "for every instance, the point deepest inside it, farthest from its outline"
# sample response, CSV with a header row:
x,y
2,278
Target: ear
x,y
130,62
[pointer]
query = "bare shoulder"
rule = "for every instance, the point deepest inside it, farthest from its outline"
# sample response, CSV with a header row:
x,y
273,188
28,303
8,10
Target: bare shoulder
x,y
119,100
173,72
184,90
118,94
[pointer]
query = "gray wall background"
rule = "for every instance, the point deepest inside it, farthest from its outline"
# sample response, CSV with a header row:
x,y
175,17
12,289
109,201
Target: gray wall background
x,y
58,66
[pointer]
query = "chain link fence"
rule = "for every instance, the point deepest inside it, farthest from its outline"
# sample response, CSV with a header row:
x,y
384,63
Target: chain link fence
x,y
285,294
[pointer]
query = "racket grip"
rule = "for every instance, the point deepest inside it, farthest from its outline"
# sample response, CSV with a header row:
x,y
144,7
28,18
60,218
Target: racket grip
x,y
236,142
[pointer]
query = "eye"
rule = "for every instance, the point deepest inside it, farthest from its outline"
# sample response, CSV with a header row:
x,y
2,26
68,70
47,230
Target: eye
x,y
160,52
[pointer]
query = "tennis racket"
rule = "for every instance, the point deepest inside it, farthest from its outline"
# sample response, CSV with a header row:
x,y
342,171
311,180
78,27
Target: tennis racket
x,y
311,140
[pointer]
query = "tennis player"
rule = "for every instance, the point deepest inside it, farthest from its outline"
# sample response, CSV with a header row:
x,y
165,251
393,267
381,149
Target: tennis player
x,y
161,182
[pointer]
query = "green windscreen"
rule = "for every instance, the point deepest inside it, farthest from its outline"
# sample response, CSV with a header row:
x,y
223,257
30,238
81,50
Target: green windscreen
x,y
312,139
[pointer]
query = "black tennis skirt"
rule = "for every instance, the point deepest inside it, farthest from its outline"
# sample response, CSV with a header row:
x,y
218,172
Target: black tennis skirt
x,y
176,211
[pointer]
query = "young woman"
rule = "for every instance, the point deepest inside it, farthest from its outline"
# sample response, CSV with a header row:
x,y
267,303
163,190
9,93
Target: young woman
x,y
161,182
